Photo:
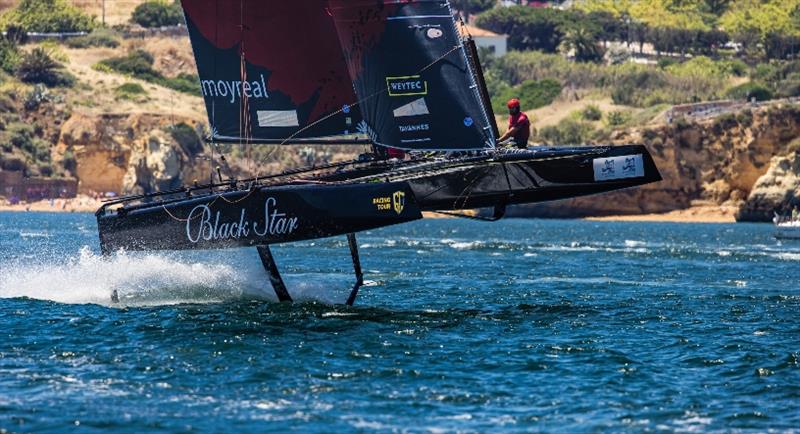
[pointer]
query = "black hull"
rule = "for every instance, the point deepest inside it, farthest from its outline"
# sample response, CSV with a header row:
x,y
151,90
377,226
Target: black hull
x,y
343,200
519,178
257,216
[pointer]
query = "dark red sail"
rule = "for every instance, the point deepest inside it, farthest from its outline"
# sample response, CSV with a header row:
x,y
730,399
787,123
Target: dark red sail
x,y
415,84
271,69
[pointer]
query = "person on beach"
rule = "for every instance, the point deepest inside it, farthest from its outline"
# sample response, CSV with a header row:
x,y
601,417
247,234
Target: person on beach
x,y
519,126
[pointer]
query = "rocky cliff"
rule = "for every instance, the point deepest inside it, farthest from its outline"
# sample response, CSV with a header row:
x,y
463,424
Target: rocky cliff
x,y
129,153
746,161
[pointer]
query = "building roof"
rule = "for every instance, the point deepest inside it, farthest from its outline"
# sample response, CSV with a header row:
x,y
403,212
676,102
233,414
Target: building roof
x,y
476,31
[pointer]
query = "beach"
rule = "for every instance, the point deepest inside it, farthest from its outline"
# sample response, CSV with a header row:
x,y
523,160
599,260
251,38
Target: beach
x,y
81,203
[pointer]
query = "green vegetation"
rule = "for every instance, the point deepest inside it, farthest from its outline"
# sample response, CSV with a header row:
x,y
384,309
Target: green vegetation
x,y
157,13
698,79
38,66
527,28
592,113
567,132
532,94
98,38
130,91
47,16
617,118
9,55
139,64
472,6
750,91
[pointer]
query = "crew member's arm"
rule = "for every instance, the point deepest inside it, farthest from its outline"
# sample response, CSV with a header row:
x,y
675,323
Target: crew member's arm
x,y
511,131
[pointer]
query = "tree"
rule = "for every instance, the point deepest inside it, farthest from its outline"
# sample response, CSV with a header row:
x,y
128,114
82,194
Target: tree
x,y
470,7
157,13
528,28
47,16
37,66
583,42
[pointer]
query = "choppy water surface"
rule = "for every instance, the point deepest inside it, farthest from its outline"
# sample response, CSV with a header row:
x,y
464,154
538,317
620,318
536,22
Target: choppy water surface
x,y
467,326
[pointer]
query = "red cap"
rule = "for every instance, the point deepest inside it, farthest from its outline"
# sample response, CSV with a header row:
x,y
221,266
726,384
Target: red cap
x,y
513,103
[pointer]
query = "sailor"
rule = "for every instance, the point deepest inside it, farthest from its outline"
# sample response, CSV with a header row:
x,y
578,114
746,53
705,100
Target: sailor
x,y
519,126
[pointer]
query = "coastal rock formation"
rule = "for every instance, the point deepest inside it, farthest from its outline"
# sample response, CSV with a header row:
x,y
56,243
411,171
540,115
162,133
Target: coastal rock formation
x,y
776,191
715,162
125,153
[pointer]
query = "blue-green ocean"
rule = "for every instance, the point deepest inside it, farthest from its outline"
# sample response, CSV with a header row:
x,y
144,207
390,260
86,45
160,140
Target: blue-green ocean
x,y
515,326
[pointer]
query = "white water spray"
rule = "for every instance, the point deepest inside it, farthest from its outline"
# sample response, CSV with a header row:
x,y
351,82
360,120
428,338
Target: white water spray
x,y
156,279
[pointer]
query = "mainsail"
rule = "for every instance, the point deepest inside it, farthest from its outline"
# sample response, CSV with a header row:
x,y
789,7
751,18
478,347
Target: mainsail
x,y
271,70
411,72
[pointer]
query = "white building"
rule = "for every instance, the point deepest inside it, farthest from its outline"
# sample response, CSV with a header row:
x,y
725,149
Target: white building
x,y
495,43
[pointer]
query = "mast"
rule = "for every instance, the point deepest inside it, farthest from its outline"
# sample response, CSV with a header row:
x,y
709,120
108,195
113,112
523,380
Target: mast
x,y
478,86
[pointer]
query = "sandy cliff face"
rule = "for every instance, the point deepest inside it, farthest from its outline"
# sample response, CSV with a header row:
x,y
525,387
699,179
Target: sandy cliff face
x,y
776,191
125,153
719,162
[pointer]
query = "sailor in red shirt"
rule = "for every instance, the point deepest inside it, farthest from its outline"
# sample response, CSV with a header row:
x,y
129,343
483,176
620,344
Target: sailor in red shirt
x,y
519,127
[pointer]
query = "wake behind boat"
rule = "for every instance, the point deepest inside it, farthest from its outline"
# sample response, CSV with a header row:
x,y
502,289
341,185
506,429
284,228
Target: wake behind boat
x,y
395,75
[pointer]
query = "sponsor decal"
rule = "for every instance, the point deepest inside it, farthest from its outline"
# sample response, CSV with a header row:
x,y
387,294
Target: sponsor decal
x,y
203,225
414,128
233,89
468,121
406,86
418,107
396,202
399,201
346,109
277,118
626,166
382,203
434,33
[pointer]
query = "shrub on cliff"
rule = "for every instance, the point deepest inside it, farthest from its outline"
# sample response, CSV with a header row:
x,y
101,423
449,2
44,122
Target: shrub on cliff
x,y
98,38
38,66
157,13
9,55
139,64
592,113
47,16
748,91
567,132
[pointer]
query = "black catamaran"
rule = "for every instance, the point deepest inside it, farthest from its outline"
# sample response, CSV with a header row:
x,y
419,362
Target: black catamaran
x,y
389,73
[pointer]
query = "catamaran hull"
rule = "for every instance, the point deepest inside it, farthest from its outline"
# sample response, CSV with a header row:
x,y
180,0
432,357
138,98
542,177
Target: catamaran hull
x,y
257,217
338,205
529,177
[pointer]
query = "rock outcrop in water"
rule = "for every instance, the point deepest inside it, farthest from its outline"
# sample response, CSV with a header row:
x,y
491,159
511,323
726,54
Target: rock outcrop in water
x,y
745,161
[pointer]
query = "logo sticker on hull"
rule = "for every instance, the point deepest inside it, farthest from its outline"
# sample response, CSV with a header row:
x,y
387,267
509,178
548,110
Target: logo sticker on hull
x,y
626,166
399,201
396,202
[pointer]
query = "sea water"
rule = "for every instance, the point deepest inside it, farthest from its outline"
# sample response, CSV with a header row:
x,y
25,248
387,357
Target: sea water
x,y
519,325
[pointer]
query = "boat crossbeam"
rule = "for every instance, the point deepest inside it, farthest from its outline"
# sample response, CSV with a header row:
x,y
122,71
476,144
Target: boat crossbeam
x,y
275,279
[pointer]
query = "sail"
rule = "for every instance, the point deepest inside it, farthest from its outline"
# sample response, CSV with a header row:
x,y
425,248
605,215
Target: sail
x,y
415,85
271,69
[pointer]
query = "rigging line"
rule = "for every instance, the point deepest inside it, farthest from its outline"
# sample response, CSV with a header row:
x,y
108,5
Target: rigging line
x,y
376,93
